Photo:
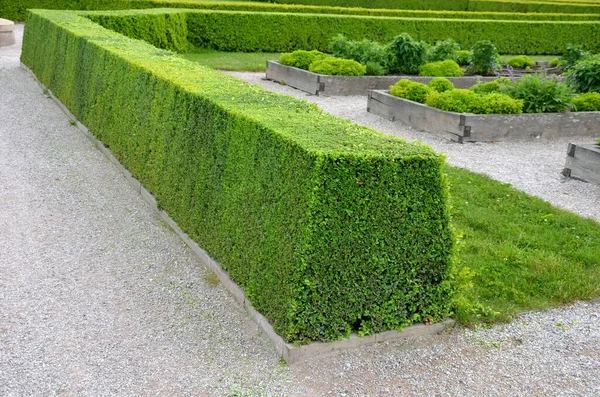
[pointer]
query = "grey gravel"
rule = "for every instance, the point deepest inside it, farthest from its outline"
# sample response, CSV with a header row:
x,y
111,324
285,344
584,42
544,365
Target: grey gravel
x,y
99,297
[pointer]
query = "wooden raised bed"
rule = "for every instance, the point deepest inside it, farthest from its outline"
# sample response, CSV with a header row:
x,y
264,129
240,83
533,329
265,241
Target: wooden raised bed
x,y
467,127
321,84
583,162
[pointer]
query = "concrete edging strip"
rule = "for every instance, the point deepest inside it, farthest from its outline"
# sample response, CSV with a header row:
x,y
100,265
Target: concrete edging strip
x,y
289,352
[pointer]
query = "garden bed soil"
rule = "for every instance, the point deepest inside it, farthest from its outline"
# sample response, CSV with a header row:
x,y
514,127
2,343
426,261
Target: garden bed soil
x,y
467,127
583,162
321,84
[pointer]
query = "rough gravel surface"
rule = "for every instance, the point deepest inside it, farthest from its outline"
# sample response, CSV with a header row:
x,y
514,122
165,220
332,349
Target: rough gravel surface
x,y
99,297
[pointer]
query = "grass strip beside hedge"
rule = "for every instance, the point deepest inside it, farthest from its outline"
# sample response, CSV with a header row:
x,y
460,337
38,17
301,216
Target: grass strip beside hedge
x,y
281,32
329,227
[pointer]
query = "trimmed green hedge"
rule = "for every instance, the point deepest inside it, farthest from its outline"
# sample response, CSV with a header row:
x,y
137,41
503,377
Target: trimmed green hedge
x,y
280,32
328,226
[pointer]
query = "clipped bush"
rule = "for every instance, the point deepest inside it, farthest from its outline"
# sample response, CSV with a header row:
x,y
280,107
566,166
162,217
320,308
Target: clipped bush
x,y
300,58
462,57
329,227
443,50
497,103
405,54
521,62
586,102
540,94
584,76
467,101
484,58
490,86
441,84
337,67
446,68
554,62
410,90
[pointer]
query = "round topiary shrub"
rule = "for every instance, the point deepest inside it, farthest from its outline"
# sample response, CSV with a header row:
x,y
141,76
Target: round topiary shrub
x,y
410,90
337,67
521,62
588,102
441,84
446,68
301,59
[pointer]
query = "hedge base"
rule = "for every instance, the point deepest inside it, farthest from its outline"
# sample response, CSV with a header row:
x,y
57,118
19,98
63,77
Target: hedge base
x,y
583,162
464,127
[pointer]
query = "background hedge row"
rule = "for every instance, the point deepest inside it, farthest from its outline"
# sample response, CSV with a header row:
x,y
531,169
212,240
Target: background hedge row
x,y
281,32
329,227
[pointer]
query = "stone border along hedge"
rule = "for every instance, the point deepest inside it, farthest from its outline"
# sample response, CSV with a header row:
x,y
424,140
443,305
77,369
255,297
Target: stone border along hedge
x,y
466,127
330,228
322,84
583,162
281,32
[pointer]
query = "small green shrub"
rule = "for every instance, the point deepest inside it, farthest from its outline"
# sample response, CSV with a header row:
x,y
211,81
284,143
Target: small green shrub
x,y
521,62
467,101
366,52
340,46
405,54
573,54
410,90
484,58
441,84
598,141
337,67
300,58
462,57
554,62
540,94
490,86
446,68
443,50
584,76
586,102
375,69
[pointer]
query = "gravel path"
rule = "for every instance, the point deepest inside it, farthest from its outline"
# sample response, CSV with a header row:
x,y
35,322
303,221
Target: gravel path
x,y
99,297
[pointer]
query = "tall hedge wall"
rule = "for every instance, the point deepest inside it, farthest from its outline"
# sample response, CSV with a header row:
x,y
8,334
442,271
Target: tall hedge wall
x,y
329,227
274,32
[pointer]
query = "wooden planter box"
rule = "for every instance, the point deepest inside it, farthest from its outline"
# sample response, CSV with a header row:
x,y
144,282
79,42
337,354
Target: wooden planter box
x,y
321,84
467,127
583,162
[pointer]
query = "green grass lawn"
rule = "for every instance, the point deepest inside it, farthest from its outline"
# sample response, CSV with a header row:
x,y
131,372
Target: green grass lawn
x,y
515,252
235,61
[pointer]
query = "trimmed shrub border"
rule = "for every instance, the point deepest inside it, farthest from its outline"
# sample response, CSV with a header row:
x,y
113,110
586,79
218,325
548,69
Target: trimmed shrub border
x,y
583,162
464,127
289,352
321,84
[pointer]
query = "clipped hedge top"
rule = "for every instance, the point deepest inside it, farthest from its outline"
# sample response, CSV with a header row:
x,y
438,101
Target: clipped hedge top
x,y
296,120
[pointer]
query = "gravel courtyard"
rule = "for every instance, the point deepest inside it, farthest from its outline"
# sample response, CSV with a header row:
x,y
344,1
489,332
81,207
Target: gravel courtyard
x,y
99,297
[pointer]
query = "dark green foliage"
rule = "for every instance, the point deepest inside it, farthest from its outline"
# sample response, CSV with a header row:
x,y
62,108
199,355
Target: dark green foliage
x,y
337,67
467,101
521,62
441,84
462,57
540,94
573,54
441,69
410,90
584,76
366,52
490,86
405,54
375,69
484,58
598,141
533,7
443,50
586,102
329,227
300,58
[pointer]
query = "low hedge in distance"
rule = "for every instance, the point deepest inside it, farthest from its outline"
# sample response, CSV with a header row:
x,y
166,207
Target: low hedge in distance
x,y
329,227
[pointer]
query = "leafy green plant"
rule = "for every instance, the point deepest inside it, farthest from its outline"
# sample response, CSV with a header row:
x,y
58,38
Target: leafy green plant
x,y
584,76
441,84
490,86
462,57
337,67
300,58
340,46
443,50
586,102
598,141
375,69
540,94
497,103
573,54
467,101
446,68
554,62
405,54
521,62
484,58
410,90
366,52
